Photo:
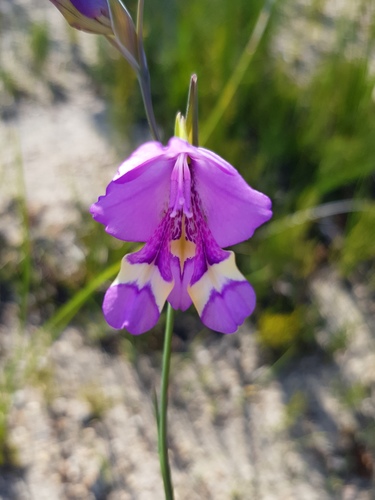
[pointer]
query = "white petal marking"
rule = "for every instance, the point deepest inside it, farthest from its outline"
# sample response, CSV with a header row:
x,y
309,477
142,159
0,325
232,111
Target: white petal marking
x,y
142,275
216,277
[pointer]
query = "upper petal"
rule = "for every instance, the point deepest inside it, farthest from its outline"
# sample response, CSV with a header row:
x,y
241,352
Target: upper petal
x,y
137,198
233,209
147,152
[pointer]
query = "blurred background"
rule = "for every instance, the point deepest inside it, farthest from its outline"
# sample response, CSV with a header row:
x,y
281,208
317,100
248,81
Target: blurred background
x,y
285,408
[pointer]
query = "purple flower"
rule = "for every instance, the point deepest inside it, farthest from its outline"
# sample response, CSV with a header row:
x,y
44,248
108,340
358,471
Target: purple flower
x,y
186,203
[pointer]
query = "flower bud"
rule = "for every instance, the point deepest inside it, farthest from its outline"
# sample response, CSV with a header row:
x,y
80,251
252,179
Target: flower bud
x,y
124,31
109,18
91,16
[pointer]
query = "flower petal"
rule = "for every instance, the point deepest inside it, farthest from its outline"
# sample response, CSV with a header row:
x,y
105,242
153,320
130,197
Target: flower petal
x,y
222,296
135,201
147,152
179,297
227,310
127,306
233,209
136,298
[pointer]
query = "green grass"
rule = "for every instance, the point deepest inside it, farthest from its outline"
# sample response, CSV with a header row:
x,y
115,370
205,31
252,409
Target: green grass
x,y
39,45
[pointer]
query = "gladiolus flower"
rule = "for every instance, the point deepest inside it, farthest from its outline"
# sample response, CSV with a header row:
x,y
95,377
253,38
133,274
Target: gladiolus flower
x,y
186,203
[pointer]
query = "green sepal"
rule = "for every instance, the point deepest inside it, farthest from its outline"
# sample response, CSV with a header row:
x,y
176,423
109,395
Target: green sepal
x,y
125,32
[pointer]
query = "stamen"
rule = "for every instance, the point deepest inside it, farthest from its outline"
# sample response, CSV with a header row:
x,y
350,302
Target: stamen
x,y
187,190
180,195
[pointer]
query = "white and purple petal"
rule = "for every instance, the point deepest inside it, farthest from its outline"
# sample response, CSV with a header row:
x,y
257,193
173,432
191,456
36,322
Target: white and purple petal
x,y
136,298
226,310
222,296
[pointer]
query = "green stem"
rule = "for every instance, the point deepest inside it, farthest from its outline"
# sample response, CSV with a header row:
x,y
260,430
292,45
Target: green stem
x,y
139,64
162,427
144,83
144,75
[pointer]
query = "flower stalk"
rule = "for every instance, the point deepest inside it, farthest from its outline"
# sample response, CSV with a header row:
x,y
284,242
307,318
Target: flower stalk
x,y
144,83
163,411
187,130
129,41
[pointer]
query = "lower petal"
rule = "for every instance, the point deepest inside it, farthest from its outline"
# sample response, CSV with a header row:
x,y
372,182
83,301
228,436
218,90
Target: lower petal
x,y
179,297
222,296
136,298
225,311
127,306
